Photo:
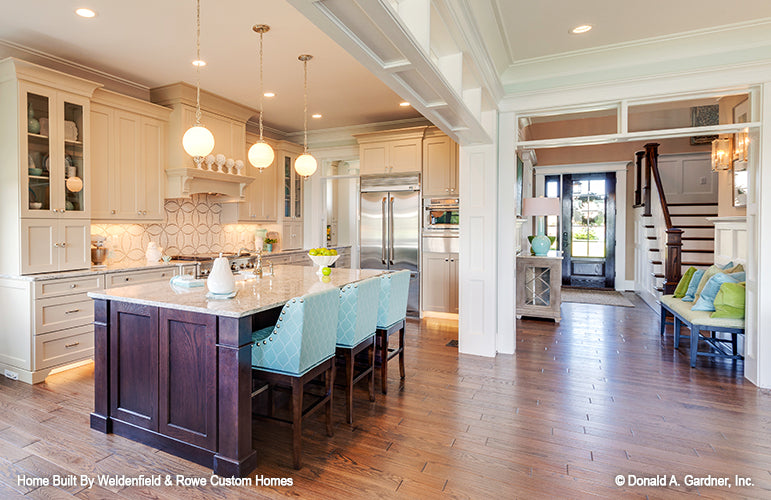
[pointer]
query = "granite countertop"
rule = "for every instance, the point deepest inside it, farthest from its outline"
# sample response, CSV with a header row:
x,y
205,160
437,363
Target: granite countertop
x,y
253,295
105,269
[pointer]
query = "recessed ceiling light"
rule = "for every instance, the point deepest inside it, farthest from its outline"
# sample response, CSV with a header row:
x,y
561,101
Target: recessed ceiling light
x,y
85,12
316,115
199,62
269,94
404,104
581,29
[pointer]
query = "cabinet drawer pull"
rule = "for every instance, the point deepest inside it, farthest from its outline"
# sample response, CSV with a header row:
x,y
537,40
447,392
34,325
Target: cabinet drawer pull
x,y
67,346
64,244
74,285
112,212
71,311
163,275
126,279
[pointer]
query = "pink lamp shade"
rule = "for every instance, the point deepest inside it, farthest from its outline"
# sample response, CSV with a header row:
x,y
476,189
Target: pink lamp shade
x,y
540,206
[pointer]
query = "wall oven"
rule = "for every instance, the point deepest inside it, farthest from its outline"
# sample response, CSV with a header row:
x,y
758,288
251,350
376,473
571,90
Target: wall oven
x,y
441,215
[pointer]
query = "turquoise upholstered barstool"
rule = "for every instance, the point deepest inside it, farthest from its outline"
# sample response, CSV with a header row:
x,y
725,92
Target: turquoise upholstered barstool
x,y
391,317
356,322
299,348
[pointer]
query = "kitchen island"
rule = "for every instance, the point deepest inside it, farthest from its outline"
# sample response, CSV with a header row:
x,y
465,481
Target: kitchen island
x,y
173,368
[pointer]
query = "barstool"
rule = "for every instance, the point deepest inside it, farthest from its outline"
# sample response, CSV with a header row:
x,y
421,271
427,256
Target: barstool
x,y
356,324
299,348
391,317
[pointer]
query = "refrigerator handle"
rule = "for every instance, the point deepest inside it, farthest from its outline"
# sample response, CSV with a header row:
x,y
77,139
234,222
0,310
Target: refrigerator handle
x,y
391,232
383,230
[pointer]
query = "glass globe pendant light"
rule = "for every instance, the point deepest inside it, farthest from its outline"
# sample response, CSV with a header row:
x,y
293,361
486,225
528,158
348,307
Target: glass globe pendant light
x,y
261,154
305,164
198,141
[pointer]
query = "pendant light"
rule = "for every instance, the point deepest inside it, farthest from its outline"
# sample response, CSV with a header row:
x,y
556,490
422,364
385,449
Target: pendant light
x,y
261,154
305,164
198,141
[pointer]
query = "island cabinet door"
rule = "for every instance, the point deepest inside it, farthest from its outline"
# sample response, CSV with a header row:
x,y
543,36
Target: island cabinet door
x,y
188,377
134,364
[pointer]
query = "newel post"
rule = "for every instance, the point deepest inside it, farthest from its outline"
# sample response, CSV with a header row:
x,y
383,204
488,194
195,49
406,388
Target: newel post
x,y
672,271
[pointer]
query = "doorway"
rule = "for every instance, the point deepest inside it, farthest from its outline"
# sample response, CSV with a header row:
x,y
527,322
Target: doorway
x,y
589,230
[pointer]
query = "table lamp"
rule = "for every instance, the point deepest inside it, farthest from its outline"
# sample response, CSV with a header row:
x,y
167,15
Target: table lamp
x,y
540,207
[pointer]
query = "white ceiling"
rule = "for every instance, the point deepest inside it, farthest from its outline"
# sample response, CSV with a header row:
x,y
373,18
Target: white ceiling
x,y
152,43
516,32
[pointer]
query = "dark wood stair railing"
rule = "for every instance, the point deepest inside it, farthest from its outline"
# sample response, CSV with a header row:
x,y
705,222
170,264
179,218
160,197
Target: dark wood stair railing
x,y
638,201
672,271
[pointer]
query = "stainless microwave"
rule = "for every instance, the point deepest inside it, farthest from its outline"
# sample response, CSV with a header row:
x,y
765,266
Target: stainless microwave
x,y
441,214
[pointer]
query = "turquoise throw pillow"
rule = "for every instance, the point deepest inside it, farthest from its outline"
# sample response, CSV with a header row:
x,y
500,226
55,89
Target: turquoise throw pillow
x,y
706,301
727,266
690,295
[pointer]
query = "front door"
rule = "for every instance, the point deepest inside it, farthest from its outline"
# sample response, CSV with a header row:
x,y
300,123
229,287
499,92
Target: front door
x,y
589,230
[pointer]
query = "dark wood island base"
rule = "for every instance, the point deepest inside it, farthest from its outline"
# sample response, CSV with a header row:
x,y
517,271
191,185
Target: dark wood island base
x,y
176,380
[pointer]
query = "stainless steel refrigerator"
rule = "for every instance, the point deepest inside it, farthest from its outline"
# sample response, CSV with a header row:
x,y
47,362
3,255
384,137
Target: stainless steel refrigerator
x,y
390,228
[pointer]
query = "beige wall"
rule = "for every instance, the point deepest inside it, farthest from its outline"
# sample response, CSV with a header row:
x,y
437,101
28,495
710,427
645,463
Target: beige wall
x,y
622,151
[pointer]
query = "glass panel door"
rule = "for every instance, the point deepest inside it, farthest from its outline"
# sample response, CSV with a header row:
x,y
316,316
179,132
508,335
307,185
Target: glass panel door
x,y
287,186
588,218
73,158
38,151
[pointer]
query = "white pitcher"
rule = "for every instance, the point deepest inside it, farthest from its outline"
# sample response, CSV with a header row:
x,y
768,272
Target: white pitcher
x,y
154,252
220,278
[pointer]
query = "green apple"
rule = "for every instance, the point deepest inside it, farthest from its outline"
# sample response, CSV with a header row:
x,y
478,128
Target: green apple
x,y
326,271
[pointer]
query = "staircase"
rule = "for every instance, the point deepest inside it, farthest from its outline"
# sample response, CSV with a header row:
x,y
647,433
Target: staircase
x,y
698,240
670,237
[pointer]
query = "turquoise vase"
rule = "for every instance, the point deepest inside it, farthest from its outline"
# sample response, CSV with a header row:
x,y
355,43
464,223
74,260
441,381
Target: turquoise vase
x,y
33,125
540,243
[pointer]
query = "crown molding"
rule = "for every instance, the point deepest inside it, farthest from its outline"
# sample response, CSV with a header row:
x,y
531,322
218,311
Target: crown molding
x,y
110,82
344,136
679,53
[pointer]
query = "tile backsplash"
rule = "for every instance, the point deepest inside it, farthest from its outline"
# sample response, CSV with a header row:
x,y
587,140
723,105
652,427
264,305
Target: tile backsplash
x,y
190,226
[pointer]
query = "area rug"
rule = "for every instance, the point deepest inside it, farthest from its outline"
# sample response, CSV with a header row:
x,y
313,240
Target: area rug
x,y
588,296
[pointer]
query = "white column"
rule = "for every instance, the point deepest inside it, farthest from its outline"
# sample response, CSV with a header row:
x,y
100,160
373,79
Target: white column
x,y
757,363
478,165
507,222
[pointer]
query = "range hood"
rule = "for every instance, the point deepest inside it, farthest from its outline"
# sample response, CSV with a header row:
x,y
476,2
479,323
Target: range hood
x,y
184,182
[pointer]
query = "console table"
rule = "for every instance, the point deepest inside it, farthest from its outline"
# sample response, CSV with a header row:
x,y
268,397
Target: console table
x,y
538,286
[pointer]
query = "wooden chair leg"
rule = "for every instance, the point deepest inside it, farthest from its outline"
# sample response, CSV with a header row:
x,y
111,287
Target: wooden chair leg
x,y
401,351
297,418
384,363
371,384
329,378
349,385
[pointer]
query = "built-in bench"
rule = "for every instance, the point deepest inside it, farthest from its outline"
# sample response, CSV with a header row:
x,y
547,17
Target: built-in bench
x,y
700,322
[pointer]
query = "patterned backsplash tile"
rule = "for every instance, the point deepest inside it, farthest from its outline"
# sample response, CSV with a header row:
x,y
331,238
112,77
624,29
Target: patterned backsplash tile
x,y
190,226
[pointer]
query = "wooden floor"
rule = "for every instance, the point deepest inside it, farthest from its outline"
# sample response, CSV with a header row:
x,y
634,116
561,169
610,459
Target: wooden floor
x,y
596,396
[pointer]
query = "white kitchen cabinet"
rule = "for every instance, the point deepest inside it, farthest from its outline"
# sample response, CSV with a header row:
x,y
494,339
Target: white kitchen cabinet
x,y
50,245
51,324
440,165
390,157
292,235
440,282
261,203
392,152
128,148
44,139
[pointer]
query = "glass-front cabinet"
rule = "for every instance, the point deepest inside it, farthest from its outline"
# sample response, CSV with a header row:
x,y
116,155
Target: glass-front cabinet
x,y
292,203
54,175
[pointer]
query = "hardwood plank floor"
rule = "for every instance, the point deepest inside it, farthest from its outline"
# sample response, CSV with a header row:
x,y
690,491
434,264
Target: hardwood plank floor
x,y
599,395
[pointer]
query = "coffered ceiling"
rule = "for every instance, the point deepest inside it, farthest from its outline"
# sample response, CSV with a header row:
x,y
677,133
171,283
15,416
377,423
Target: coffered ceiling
x,y
152,43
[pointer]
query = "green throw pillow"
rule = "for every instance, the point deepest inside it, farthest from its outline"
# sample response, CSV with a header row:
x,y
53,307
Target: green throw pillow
x,y
682,287
729,301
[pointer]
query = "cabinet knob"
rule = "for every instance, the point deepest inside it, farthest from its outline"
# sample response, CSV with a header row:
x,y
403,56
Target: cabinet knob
x,y
144,212
56,245
112,212
126,279
139,212
447,260
64,245
73,285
